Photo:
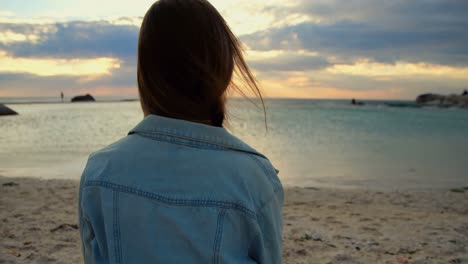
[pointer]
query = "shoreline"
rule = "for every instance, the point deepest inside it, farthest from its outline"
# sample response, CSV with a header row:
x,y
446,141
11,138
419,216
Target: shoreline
x,y
321,225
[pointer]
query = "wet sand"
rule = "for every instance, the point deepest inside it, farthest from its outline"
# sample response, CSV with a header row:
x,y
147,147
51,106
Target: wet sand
x,y
38,224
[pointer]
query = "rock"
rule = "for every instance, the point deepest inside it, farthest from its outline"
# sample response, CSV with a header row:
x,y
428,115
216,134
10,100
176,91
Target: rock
x,y
343,258
301,252
83,98
354,102
316,237
372,243
429,97
65,227
443,100
4,110
457,190
313,236
10,184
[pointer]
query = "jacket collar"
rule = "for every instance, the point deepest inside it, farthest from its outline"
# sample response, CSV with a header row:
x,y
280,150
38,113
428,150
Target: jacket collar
x,y
154,124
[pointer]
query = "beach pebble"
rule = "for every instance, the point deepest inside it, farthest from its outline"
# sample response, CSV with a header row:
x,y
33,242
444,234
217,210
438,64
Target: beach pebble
x,y
301,252
65,227
10,184
311,236
316,237
407,251
343,258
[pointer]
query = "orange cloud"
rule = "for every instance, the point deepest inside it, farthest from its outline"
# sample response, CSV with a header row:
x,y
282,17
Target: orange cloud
x,y
399,69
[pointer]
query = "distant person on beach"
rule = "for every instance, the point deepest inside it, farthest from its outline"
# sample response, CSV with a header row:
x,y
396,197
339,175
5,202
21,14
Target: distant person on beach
x,y
61,96
179,188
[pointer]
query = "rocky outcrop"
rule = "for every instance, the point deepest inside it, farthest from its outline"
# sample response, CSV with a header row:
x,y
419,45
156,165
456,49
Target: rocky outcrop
x,y
83,98
427,98
443,100
4,110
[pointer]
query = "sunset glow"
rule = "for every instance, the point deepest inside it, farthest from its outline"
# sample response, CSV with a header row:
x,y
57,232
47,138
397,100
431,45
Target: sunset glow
x,y
374,69
305,49
90,68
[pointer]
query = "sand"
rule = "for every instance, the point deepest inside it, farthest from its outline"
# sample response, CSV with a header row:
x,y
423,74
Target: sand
x,y
38,224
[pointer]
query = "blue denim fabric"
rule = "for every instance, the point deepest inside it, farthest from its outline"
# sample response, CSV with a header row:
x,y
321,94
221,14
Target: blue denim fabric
x,y
174,191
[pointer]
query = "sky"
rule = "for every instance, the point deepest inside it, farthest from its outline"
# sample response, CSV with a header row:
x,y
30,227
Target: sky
x,y
366,49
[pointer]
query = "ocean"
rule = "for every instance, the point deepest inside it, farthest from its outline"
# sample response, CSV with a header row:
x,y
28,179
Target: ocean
x,y
313,143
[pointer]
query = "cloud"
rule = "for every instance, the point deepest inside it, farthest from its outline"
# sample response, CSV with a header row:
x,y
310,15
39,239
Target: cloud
x,y
87,68
385,31
20,84
399,69
325,84
72,39
8,37
300,48
50,57
286,61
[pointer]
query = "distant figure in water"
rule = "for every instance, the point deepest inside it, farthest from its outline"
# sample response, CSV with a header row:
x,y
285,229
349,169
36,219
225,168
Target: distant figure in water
x,y
465,93
61,96
354,102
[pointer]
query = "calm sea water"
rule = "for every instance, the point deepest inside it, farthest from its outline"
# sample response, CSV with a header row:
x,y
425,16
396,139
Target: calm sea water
x,y
311,142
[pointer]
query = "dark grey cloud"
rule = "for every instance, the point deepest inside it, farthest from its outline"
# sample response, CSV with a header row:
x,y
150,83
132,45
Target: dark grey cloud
x,y
74,39
291,62
387,31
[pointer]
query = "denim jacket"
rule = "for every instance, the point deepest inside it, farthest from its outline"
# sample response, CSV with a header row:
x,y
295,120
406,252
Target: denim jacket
x,y
174,191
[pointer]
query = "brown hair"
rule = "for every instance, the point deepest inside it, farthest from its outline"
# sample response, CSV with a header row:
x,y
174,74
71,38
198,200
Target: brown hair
x,y
187,60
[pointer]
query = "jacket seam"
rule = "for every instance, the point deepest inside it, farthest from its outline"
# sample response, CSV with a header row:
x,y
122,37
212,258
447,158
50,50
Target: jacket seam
x,y
174,201
258,212
266,202
268,174
117,246
174,141
216,144
218,236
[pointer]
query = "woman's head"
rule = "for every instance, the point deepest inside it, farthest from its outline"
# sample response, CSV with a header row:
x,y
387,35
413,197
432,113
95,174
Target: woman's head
x,y
187,60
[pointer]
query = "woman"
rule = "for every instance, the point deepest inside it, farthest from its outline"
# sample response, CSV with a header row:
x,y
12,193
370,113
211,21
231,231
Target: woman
x,y
180,188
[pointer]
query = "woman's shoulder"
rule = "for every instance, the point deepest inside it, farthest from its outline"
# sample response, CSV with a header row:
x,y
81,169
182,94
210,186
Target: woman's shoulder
x,y
185,171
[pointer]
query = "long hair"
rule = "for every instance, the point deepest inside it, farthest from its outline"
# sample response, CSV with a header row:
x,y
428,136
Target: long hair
x,y
188,59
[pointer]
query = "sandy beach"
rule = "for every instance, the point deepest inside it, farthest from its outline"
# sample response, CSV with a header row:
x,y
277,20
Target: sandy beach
x,y
39,224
